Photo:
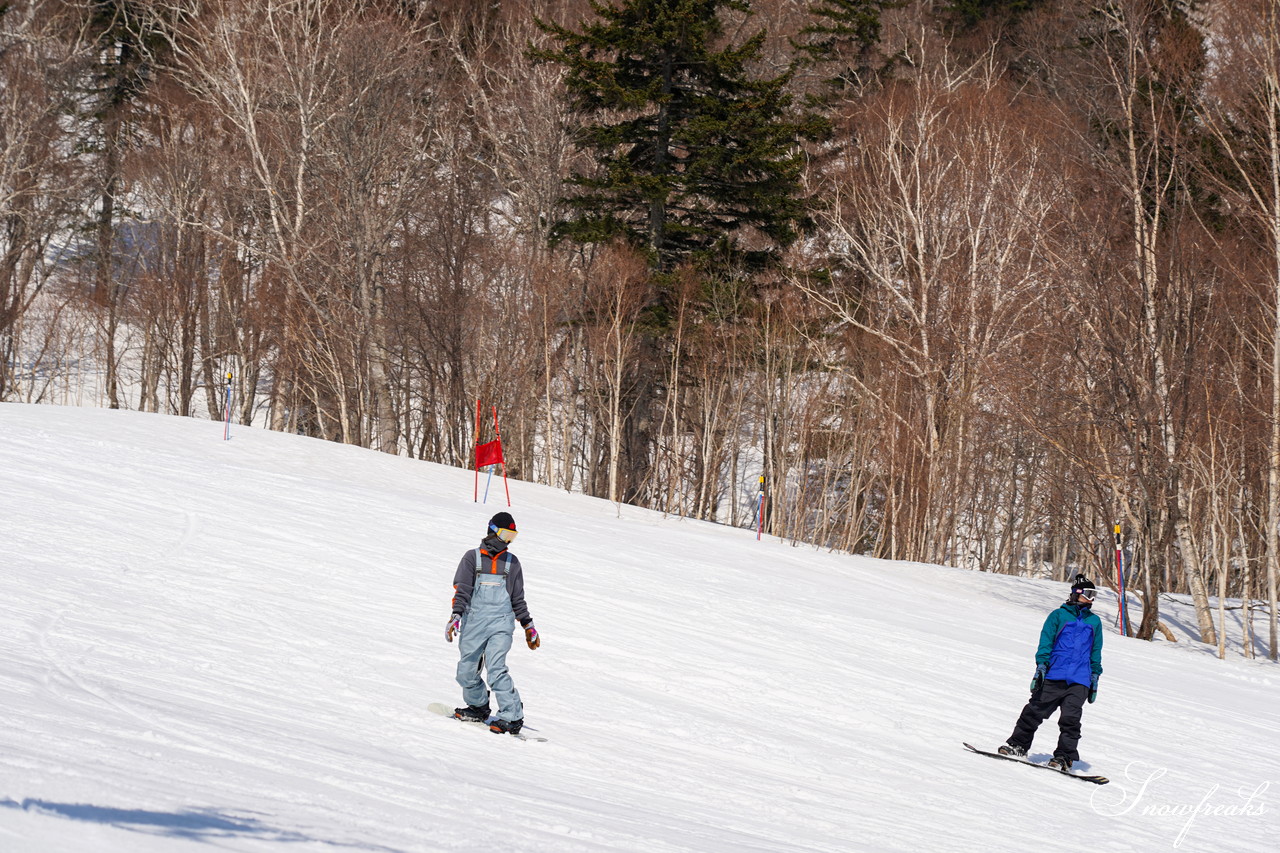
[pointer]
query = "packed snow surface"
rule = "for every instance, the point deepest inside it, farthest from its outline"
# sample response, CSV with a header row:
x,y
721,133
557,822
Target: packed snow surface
x,y
231,645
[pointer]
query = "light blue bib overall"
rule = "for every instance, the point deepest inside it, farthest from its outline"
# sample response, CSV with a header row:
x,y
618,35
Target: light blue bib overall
x,y
487,627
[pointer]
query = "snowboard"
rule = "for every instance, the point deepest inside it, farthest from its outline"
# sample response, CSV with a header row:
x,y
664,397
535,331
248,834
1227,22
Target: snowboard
x,y
446,711
1097,780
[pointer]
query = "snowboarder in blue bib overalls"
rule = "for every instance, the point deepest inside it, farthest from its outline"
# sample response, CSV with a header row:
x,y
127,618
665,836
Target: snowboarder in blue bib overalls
x,y
488,599
1068,664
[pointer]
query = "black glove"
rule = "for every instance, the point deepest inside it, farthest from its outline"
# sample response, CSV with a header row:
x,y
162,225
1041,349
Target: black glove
x,y
1038,680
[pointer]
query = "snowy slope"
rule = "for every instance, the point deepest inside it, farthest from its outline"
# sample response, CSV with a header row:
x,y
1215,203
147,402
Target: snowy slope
x,y
231,646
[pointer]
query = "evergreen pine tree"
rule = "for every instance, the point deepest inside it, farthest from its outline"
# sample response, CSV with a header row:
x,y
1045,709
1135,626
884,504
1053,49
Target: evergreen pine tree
x,y
962,14
843,35
696,160
124,46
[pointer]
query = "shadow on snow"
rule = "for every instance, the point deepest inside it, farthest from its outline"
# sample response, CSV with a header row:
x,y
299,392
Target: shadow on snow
x,y
194,824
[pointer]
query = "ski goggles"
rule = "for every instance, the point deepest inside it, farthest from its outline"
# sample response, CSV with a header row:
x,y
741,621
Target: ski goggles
x,y
503,533
1087,594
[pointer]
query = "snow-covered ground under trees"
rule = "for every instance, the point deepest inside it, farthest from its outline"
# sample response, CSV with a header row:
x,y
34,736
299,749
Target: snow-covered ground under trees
x,y
231,645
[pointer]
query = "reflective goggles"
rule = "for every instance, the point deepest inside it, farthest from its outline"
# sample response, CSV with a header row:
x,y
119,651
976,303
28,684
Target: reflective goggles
x,y
503,533
1087,594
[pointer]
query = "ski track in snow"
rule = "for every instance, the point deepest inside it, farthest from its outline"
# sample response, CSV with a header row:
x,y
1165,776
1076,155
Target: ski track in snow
x,y
233,644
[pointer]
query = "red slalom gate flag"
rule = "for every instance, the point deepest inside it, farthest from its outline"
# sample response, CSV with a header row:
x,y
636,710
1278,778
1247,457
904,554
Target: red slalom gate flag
x,y
489,453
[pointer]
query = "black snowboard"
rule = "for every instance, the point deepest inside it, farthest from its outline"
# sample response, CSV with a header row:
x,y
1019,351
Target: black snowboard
x,y
1097,780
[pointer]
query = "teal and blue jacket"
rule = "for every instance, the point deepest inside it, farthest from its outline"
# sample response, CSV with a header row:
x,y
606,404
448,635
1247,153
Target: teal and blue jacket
x,y
1071,645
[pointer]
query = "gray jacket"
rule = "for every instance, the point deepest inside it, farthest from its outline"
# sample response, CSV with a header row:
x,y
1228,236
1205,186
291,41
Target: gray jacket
x,y
494,559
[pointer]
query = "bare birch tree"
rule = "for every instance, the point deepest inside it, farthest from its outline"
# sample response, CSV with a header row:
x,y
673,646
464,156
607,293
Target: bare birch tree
x,y
938,222
1147,64
1243,114
334,108
41,185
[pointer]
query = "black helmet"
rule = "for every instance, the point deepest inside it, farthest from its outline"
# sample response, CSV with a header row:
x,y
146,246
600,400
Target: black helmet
x,y
503,526
1082,591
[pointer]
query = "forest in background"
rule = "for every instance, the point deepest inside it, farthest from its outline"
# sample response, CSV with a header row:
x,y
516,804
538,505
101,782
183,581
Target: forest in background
x,y
966,281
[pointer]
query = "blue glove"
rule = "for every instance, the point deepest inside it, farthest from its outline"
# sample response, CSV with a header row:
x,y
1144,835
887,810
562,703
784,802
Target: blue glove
x,y
1038,681
1093,688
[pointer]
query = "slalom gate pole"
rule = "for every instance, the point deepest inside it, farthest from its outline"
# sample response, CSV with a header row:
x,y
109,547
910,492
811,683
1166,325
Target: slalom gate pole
x,y
226,432
760,509
486,484
497,432
1122,618
475,454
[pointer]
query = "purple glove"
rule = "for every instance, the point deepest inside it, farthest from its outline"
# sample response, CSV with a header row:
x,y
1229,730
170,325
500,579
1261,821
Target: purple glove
x,y
531,637
454,626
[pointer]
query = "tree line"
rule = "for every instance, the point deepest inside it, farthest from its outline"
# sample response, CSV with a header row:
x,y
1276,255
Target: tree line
x,y
964,280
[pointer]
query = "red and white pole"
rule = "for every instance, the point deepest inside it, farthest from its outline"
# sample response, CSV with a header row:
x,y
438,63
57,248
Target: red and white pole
x,y
1122,617
226,432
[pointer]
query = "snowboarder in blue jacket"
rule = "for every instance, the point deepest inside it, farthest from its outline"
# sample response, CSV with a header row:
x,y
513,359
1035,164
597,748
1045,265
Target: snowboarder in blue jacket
x,y
488,598
1068,664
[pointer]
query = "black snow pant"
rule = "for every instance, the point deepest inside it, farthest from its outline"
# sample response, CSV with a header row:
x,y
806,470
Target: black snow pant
x,y
1051,696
